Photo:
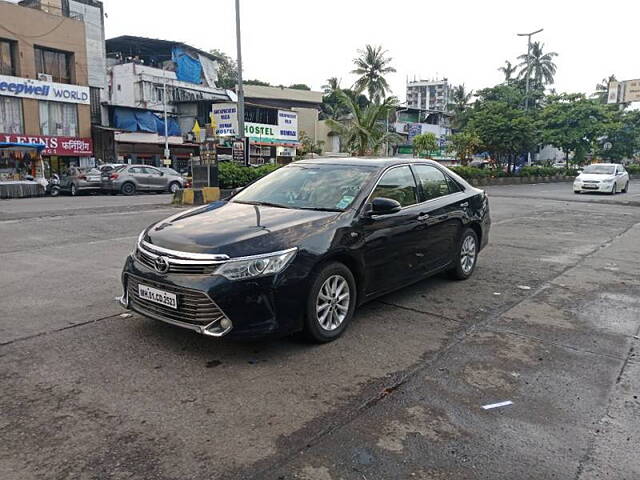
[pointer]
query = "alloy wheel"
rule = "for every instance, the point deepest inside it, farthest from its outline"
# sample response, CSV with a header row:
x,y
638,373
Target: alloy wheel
x,y
332,303
468,254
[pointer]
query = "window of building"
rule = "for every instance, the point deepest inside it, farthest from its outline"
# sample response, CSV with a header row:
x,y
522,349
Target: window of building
x,y
96,114
58,119
7,57
397,184
54,63
11,115
432,182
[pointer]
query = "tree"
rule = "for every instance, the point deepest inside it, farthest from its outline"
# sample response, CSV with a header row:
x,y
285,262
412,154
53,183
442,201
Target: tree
x,y
424,143
464,145
509,71
503,127
333,84
363,130
260,83
300,86
459,102
333,108
227,70
602,89
372,65
621,135
538,65
572,122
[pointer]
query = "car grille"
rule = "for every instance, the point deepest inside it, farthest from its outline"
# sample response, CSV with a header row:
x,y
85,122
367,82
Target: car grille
x,y
191,269
591,181
194,307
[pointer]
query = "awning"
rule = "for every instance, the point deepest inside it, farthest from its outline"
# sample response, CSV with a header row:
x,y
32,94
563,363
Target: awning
x,y
22,147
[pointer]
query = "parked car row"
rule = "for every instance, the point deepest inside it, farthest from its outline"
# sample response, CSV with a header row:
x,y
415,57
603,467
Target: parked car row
x,y
118,178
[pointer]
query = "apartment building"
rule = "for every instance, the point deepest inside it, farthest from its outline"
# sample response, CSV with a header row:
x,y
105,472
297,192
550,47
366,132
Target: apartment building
x,y
430,95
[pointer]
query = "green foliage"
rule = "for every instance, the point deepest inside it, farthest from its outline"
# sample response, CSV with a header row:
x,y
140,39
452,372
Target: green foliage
x,y
503,127
538,65
424,143
363,130
459,105
232,175
537,171
469,173
334,108
227,70
621,136
633,169
464,144
300,86
307,145
472,172
372,65
571,122
260,83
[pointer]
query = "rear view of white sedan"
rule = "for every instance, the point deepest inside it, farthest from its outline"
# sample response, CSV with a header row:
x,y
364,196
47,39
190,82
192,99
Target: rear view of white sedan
x,y
602,177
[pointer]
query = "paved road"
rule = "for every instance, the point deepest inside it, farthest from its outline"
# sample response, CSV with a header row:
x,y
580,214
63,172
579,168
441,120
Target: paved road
x,y
87,393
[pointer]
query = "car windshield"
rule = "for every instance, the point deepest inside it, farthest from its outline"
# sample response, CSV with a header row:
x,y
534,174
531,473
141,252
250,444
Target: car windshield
x,y
309,186
600,169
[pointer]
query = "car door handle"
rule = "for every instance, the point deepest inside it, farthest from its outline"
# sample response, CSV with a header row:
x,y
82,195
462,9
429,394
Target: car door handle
x,y
464,204
422,217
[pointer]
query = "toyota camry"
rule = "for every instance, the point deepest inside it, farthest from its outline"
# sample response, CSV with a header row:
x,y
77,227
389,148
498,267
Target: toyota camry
x,y
301,248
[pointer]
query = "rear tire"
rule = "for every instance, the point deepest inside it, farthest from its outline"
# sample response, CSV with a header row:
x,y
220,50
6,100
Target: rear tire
x,y
128,188
330,303
55,191
466,255
174,187
74,190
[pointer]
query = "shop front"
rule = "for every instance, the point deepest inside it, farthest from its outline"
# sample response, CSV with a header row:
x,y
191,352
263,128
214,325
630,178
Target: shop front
x,y
272,132
58,154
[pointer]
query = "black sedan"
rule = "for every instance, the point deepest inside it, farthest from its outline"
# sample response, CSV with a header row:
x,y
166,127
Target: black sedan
x,y
302,247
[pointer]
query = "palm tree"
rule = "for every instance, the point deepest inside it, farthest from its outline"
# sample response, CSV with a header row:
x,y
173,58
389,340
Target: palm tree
x,y
364,131
602,89
508,71
333,84
372,65
538,65
458,103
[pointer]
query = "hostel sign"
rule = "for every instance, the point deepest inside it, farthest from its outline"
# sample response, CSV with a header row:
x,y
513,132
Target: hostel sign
x,y
37,90
225,116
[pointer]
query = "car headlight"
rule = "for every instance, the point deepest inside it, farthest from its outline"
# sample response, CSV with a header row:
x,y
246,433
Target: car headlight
x,y
258,266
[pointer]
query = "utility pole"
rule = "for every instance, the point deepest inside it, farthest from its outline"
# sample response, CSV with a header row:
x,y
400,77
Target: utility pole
x,y
164,114
240,87
526,88
528,35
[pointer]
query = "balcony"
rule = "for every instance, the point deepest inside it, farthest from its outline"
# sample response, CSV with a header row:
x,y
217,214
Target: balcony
x,y
52,7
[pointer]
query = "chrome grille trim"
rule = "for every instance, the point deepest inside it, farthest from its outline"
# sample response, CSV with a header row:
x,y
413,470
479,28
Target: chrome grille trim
x,y
196,310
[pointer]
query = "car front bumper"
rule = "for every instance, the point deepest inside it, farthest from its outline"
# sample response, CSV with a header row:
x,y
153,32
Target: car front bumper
x,y
215,306
593,187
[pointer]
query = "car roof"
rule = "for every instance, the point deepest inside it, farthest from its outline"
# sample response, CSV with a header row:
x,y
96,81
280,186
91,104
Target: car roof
x,y
380,162
605,165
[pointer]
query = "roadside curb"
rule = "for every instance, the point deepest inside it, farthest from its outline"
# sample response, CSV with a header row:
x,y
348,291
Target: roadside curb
x,y
490,181
196,196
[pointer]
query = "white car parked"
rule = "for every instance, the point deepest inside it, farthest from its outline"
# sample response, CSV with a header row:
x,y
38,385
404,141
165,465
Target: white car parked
x,y
602,177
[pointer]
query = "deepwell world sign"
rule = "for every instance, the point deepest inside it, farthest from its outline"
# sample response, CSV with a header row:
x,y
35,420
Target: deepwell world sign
x,y
51,91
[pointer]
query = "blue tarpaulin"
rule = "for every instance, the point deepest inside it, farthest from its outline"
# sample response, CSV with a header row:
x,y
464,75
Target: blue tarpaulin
x,y
187,69
143,121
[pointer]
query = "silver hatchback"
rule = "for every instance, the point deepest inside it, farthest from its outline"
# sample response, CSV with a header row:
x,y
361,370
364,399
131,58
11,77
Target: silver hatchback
x,y
130,179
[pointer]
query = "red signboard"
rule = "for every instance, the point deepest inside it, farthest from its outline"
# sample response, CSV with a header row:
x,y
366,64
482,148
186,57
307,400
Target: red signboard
x,y
64,146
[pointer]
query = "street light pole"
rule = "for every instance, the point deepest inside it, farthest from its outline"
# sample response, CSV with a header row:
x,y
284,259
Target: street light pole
x,y
528,35
240,87
164,114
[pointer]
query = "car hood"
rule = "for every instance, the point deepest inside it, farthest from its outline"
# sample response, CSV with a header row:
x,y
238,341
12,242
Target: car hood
x,y
595,176
237,229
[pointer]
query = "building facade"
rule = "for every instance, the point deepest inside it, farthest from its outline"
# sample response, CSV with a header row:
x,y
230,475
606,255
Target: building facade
x,y
45,95
145,78
428,94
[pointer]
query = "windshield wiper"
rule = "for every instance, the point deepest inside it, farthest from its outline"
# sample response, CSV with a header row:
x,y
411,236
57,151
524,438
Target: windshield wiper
x,y
320,209
262,204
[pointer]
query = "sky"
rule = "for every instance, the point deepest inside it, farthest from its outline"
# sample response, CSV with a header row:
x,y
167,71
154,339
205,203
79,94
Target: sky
x,y
305,41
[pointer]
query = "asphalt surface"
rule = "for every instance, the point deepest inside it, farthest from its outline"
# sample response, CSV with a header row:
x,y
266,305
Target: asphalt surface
x,y
550,321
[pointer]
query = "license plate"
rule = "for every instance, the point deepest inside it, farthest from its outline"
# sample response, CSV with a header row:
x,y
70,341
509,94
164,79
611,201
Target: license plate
x,y
158,296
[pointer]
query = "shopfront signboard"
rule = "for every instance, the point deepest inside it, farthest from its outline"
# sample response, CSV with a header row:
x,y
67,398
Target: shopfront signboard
x,y
226,120
62,146
38,90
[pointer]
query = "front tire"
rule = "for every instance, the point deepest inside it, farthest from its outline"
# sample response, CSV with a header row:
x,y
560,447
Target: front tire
x,y
74,190
55,191
626,188
330,303
466,255
614,189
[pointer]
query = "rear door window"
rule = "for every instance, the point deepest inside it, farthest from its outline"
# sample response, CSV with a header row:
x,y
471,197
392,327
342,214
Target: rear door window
x,y
432,181
397,184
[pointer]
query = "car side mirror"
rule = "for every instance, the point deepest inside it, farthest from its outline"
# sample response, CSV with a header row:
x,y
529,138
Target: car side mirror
x,y
384,206
162,174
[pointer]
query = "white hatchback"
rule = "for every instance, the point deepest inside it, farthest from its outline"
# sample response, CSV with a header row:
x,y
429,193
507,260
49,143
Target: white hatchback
x,y
602,177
